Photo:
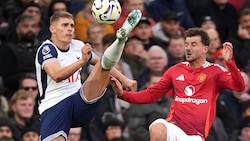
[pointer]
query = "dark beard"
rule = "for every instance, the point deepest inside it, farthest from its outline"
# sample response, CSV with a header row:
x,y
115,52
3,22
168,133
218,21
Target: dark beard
x,y
28,37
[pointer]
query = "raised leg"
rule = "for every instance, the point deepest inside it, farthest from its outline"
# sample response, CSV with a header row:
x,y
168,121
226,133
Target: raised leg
x,y
99,77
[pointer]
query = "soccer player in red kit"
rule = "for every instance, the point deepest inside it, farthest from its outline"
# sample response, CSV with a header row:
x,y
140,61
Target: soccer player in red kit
x,y
196,85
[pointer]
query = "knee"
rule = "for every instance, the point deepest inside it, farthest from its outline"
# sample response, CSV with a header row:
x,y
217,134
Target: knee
x,y
158,132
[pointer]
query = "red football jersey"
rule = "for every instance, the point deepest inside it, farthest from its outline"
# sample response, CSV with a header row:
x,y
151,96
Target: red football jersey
x,y
195,92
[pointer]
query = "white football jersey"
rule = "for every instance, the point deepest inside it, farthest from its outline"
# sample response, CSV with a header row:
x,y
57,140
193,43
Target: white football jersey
x,y
52,92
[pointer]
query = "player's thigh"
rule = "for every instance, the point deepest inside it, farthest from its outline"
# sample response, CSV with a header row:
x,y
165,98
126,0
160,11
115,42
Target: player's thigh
x,y
56,121
96,82
83,111
174,133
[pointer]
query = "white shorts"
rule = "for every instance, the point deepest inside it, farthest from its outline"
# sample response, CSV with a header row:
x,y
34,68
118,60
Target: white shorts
x,y
174,133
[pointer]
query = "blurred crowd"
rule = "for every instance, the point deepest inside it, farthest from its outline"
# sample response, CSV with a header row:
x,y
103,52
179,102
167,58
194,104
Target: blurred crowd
x,y
156,44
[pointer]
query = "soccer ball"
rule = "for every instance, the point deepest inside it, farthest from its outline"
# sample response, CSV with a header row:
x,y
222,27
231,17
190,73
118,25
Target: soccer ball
x,y
106,11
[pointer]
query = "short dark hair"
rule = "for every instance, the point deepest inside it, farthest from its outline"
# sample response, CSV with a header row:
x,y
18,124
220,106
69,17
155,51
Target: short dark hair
x,y
170,15
22,18
108,39
243,12
31,4
175,37
191,32
26,76
51,6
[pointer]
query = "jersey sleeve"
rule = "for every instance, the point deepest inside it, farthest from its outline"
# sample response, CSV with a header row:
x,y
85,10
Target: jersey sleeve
x,y
151,94
231,80
45,53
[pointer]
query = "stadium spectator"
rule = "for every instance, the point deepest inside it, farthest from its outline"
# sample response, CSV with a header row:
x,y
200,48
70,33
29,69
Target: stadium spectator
x,y
215,42
113,128
6,127
223,14
207,22
143,30
56,6
18,54
157,8
127,7
28,83
241,40
175,50
157,62
22,108
135,55
30,134
139,117
168,26
41,27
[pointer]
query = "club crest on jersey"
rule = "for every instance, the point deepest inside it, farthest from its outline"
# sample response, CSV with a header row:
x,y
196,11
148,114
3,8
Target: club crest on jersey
x,y
46,52
202,77
189,90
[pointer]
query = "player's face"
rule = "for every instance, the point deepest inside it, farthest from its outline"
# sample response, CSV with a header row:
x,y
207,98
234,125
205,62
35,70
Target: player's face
x,y
195,50
63,30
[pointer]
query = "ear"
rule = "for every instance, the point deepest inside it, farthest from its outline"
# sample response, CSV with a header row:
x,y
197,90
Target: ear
x,y
205,49
13,107
52,29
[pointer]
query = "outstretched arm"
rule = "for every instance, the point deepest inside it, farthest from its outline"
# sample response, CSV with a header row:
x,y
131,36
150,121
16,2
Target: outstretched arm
x,y
130,85
232,80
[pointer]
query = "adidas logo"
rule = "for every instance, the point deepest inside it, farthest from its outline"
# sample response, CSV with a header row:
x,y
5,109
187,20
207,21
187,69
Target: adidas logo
x,y
180,78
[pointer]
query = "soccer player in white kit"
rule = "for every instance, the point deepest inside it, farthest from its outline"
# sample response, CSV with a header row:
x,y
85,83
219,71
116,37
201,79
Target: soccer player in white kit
x,y
64,102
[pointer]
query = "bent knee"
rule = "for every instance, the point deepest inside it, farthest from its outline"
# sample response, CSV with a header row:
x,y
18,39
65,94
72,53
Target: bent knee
x,y
158,132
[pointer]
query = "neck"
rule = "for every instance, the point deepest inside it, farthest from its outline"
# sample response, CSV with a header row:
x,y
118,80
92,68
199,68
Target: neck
x,y
178,60
19,120
197,63
59,44
98,47
146,41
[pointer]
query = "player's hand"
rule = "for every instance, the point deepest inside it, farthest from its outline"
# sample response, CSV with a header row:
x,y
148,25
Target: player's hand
x,y
86,53
227,51
130,85
116,85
